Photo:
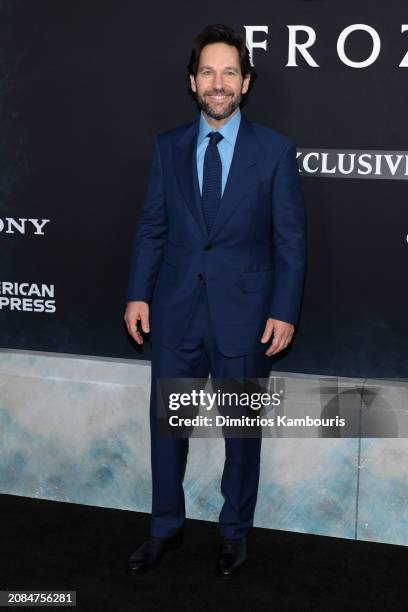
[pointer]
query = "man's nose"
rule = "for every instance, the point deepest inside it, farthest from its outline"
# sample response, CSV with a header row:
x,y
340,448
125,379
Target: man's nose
x,y
218,82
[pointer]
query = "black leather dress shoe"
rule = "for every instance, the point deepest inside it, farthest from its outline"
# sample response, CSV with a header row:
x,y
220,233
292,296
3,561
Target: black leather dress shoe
x,y
232,555
151,551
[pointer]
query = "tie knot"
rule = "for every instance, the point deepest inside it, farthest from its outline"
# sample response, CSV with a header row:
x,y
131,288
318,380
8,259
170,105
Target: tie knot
x,y
215,137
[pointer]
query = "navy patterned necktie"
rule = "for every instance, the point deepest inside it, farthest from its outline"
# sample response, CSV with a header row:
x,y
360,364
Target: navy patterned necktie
x,y
212,177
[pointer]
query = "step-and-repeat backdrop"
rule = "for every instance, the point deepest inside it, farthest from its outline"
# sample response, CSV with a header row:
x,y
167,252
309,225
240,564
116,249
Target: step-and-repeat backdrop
x,y
85,86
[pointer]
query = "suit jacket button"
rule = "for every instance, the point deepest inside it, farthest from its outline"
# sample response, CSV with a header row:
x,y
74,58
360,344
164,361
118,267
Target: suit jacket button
x,y
207,247
200,276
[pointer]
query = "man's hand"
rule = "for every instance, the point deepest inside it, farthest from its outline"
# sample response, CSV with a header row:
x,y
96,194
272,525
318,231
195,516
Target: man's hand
x,y
282,335
137,311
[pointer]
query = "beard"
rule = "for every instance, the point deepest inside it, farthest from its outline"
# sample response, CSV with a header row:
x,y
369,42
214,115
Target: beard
x,y
211,111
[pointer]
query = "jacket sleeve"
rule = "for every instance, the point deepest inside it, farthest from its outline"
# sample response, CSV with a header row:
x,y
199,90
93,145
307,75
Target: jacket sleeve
x,y
149,237
289,238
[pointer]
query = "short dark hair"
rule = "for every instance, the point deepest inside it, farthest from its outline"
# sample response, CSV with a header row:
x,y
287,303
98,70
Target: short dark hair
x,y
221,33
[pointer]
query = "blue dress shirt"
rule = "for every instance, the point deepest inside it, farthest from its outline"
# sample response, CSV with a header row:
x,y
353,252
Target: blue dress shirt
x,y
225,147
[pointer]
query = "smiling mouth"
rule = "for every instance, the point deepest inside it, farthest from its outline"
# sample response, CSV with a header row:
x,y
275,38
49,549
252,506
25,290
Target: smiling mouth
x,y
218,97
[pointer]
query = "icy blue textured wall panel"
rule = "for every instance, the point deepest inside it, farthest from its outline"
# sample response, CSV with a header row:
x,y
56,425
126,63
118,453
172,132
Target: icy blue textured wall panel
x,y
76,429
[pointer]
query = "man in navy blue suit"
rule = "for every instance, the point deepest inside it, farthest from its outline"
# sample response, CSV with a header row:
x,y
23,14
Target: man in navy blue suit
x,y
216,274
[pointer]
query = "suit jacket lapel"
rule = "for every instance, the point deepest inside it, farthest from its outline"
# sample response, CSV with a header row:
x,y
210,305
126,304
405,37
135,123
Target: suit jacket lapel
x,y
241,176
185,164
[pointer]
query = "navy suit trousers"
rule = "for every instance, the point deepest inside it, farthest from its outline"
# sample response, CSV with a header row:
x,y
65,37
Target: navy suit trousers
x,y
196,357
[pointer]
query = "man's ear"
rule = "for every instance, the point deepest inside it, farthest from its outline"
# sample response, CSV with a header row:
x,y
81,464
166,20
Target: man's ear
x,y
245,84
193,83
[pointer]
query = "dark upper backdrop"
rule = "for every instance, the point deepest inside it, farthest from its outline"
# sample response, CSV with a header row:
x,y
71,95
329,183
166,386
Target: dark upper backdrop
x,y
85,86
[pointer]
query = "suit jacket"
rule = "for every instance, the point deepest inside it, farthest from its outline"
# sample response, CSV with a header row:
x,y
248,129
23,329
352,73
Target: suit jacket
x,y
252,261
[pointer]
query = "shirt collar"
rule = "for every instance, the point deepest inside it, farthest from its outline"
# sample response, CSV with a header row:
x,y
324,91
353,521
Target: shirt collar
x,y
229,130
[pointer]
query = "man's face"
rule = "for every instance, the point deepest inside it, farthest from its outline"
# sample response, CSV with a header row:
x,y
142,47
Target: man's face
x,y
219,84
